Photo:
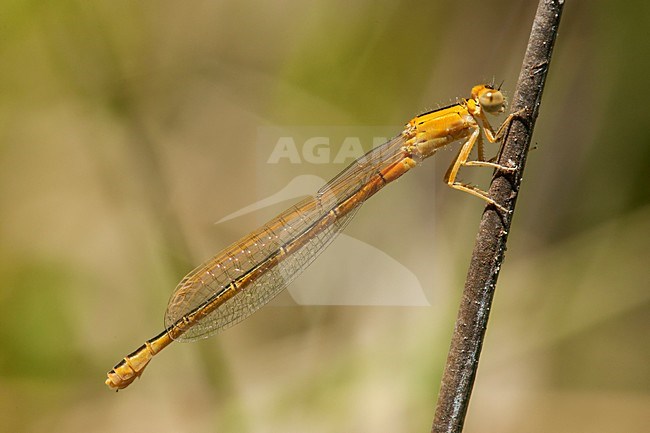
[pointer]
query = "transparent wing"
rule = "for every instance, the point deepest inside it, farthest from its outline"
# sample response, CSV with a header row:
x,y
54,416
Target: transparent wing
x,y
284,247
215,276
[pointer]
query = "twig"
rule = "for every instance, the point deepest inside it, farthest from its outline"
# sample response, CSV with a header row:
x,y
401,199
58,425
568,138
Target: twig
x,y
488,255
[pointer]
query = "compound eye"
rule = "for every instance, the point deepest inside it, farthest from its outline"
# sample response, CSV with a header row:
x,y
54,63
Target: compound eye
x,y
492,101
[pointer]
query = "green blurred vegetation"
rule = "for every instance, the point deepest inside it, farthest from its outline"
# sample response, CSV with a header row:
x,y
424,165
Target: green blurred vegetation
x,y
128,128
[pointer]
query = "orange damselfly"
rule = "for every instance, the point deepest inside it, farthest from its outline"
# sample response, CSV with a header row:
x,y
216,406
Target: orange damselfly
x,y
235,283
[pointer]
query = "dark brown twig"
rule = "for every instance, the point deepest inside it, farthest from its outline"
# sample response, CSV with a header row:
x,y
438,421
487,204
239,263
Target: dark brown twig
x,y
488,255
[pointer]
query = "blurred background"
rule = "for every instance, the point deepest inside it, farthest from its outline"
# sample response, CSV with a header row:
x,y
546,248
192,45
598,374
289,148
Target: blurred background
x,y
127,129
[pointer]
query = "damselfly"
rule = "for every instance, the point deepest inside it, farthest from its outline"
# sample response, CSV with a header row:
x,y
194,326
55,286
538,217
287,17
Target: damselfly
x,y
235,283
